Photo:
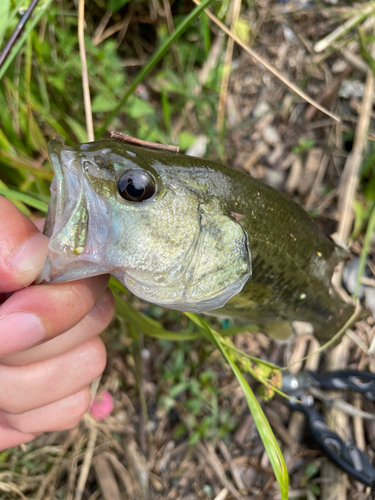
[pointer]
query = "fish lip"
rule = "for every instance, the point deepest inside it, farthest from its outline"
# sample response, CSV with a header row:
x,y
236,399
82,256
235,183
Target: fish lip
x,y
54,148
65,165
78,220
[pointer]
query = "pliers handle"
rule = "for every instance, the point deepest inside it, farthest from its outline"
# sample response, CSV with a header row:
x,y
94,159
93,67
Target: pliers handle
x,y
344,454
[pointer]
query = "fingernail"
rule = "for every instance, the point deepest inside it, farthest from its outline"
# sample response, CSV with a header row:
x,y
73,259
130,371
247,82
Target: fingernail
x,y
18,331
30,255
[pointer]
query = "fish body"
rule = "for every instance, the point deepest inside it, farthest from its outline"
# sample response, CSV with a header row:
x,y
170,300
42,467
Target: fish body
x,y
188,234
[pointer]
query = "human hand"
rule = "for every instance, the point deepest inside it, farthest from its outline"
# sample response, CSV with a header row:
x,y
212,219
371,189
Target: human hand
x,y
49,346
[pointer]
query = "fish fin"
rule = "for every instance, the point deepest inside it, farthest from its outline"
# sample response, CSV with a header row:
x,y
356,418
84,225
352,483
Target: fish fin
x,y
278,330
326,332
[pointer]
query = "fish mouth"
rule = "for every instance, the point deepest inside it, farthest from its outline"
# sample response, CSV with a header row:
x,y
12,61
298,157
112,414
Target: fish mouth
x,y
65,186
74,215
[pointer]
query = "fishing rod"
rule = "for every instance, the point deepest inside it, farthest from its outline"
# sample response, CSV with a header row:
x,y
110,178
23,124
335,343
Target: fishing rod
x,y
16,33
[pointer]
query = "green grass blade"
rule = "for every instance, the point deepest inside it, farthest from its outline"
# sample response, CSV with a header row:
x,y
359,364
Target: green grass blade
x,y
38,107
181,28
42,197
166,111
265,431
8,18
23,164
259,361
147,325
25,198
261,422
21,207
17,47
4,12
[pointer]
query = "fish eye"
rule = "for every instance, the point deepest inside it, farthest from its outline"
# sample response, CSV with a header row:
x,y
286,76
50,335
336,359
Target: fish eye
x,y
136,185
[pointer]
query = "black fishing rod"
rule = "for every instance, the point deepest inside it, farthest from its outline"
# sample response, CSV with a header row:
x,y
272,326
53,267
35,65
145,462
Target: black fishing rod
x,y
16,33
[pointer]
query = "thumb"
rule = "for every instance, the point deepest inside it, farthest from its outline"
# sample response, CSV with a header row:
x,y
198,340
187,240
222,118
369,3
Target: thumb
x,y
23,248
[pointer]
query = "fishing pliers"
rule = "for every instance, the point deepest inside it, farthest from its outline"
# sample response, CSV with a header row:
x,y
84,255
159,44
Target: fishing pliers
x,y
345,454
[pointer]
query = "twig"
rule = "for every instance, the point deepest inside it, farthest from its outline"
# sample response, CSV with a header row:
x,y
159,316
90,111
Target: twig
x,y
233,469
118,27
106,478
341,30
350,51
126,24
48,478
222,495
227,68
95,495
358,341
11,488
181,28
145,144
171,28
122,473
264,491
355,60
319,176
350,176
209,456
94,388
202,75
329,93
299,350
335,484
267,65
96,39
79,439
297,419
86,461
139,466
340,404
85,76
359,432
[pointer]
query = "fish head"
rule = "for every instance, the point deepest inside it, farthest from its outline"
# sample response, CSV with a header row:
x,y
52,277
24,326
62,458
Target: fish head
x,y
161,227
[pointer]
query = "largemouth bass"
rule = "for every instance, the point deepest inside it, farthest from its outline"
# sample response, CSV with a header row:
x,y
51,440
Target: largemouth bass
x,y
189,234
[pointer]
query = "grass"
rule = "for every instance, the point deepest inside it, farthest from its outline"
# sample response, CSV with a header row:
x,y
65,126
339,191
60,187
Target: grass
x,y
160,98
38,105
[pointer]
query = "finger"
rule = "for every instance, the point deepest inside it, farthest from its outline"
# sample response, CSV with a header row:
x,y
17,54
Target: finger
x,y
24,388
62,415
23,248
11,437
92,325
41,312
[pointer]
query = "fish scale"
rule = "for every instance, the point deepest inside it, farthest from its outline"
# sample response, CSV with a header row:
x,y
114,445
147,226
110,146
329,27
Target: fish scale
x,y
207,238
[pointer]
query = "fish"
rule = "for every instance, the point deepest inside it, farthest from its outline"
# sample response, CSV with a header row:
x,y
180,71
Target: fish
x,y
189,234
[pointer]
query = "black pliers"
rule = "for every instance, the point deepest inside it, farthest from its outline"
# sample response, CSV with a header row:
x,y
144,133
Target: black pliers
x,y
344,454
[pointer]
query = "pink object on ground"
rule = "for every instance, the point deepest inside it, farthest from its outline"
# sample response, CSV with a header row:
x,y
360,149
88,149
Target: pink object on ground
x,y
102,406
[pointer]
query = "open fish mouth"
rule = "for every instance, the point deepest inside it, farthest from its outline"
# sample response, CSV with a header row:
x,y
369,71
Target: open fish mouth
x,y
77,221
67,198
